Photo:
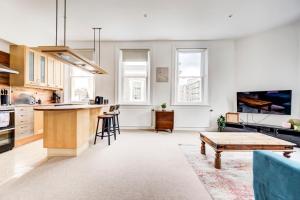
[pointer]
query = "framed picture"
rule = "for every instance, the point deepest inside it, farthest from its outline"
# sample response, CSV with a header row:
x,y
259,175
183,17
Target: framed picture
x,y
162,74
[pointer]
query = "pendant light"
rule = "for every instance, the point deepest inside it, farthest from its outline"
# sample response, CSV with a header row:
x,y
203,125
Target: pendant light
x,y
68,55
99,44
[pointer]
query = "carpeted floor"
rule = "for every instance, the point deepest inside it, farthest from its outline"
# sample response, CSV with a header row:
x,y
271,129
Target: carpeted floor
x,y
139,165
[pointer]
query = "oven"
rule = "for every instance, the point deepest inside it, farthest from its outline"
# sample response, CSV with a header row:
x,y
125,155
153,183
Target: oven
x,y
7,128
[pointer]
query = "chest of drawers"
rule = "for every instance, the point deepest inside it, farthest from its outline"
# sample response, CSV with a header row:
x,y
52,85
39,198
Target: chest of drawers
x,y
23,122
164,120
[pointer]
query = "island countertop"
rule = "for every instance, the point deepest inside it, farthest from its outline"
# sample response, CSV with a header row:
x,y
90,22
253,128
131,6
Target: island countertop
x,y
69,107
68,128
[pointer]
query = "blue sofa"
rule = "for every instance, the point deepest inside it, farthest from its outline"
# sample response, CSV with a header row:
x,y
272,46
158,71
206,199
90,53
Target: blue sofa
x,y
275,177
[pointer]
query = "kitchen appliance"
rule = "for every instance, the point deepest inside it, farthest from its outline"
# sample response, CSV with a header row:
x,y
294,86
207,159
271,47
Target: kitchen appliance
x,y
24,98
67,54
99,100
57,96
7,70
7,128
4,97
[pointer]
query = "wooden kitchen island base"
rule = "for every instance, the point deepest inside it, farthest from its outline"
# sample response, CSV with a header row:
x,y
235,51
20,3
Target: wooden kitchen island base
x,y
67,129
242,141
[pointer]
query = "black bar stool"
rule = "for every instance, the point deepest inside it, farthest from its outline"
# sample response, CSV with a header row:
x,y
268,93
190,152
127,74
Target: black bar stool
x,y
117,111
114,111
107,122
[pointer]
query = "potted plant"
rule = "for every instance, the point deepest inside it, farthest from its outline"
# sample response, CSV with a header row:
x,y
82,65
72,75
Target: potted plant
x,y
221,123
163,106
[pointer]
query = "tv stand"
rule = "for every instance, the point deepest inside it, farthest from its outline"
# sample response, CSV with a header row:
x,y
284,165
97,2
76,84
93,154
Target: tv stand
x,y
271,130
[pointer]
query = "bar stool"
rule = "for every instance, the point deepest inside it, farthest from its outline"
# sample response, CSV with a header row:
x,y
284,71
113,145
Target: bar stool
x,y
107,121
114,111
117,111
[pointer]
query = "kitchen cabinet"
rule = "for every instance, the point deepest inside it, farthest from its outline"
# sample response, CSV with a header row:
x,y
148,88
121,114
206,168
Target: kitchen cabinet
x,y
31,67
50,72
57,72
24,122
62,75
29,125
38,122
36,69
42,69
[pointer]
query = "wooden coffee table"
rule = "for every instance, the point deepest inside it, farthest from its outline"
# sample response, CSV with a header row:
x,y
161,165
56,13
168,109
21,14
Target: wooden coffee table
x,y
242,141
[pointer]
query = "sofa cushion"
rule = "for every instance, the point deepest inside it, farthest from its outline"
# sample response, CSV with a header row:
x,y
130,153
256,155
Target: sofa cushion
x,y
294,121
297,127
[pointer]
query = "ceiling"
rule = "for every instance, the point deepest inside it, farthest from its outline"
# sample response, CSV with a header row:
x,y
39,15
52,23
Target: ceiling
x,y
32,22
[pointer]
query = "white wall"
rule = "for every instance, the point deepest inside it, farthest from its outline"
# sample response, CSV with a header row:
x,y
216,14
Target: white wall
x,y
270,61
4,46
264,61
221,82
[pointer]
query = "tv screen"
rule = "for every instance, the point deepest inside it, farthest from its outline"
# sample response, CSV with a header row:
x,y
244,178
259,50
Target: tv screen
x,y
267,102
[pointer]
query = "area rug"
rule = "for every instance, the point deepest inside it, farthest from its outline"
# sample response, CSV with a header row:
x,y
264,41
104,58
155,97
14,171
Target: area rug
x,y
232,182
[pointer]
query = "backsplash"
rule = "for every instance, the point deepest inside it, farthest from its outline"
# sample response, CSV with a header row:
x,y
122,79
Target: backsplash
x,y
21,93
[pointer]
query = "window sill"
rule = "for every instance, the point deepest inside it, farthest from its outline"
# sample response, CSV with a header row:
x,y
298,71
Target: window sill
x,y
200,105
124,104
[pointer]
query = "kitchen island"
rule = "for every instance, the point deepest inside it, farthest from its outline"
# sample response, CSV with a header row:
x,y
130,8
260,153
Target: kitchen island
x,y
68,128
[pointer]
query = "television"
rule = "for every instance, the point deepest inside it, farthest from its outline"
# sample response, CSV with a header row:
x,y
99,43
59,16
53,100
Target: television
x,y
278,102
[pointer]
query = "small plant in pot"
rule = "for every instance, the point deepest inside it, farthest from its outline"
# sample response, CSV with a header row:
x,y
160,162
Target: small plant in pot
x,y
163,106
221,123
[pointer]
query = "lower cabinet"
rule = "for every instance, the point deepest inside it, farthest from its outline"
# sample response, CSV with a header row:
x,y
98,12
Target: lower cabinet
x,y
38,126
28,125
24,122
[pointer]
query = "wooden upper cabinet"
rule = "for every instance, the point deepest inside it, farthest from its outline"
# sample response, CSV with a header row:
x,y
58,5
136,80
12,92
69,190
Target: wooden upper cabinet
x,y
50,72
31,67
35,68
57,68
62,75
42,69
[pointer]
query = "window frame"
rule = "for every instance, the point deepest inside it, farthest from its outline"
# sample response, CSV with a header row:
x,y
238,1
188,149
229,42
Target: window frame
x,y
120,78
204,77
71,85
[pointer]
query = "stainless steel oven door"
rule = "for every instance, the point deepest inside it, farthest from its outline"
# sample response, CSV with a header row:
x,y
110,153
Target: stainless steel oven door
x,y
6,139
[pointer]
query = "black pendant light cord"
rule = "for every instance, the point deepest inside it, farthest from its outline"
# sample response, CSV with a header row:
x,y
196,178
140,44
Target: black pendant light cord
x,y
99,47
94,39
65,19
56,23
99,43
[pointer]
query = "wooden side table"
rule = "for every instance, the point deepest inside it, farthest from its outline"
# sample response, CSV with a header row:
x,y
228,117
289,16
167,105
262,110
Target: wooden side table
x,y
164,120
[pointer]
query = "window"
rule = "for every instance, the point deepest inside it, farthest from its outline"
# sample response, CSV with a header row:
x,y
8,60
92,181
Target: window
x,y
190,77
134,79
82,85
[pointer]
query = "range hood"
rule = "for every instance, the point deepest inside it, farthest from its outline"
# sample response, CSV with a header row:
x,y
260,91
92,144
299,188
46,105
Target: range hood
x,y
7,70
69,56
66,54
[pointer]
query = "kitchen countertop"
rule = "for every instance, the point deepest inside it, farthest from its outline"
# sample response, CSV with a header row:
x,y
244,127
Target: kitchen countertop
x,y
32,105
69,107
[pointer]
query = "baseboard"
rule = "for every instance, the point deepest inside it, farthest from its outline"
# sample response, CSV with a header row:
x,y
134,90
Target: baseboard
x,y
29,139
175,129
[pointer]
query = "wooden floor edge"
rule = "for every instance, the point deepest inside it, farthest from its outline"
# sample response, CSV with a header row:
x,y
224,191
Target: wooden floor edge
x,y
29,139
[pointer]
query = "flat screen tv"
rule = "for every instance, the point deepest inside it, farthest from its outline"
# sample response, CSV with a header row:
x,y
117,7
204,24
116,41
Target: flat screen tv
x,y
277,102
